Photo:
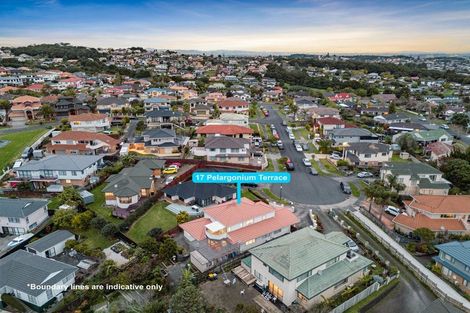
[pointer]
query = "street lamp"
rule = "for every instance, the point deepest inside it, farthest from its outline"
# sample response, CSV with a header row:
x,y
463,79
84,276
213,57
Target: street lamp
x,y
280,193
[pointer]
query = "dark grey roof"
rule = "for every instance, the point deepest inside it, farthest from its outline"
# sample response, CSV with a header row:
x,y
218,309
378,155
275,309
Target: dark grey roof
x,y
111,100
225,142
162,113
368,147
50,240
441,306
410,168
189,189
159,133
61,162
408,125
20,207
351,132
20,269
129,181
152,163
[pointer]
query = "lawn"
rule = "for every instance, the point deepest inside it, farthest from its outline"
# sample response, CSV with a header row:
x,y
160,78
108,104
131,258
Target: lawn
x,y
157,216
396,158
274,197
361,304
248,194
301,132
99,207
270,167
356,192
330,167
317,167
94,239
18,141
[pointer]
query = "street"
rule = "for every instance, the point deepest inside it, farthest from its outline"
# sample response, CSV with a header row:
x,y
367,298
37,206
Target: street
x,y
304,188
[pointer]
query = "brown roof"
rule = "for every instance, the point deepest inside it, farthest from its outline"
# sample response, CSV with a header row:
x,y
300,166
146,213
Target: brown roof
x,y
224,129
440,204
436,225
87,117
23,99
80,135
232,102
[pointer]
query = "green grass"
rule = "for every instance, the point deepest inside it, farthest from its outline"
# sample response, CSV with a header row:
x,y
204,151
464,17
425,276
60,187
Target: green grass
x,y
274,197
330,167
270,167
301,132
18,141
358,306
99,206
248,194
356,192
94,239
281,165
317,167
53,203
157,216
396,158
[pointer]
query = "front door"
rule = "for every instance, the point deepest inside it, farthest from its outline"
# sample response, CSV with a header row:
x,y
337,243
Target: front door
x,y
275,290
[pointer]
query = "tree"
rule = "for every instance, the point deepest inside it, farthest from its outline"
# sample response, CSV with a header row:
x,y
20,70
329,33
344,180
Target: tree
x,y
5,104
46,111
82,220
425,235
128,160
70,196
109,230
458,172
140,126
155,232
392,108
150,245
324,145
460,119
63,218
182,217
407,143
377,192
168,249
98,222
187,299
186,107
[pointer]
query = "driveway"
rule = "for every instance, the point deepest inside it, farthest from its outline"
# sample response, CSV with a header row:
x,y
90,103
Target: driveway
x,y
130,131
4,242
304,187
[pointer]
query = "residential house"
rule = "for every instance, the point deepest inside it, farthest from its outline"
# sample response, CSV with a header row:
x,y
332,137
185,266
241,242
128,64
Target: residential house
x,y
419,178
19,216
385,97
435,135
441,214
366,154
227,149
438,150
151,104
50,245
90,122
21,270
163,118
323,112
112,105
161,142
233,105
66,170
200,112
374,111
454,261
392,118
229,130
67,106
306,266
342,96
352,135
25,108
202,195
229,229
324,125
229,118
82,142
129,186
305,103
405,127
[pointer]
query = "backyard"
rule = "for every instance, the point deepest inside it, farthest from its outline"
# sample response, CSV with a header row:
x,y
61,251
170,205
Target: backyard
x,y
99,207
156,216
17,142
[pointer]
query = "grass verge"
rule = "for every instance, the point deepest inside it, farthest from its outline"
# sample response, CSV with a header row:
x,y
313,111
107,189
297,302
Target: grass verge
x,y
356,192
273,197
361,304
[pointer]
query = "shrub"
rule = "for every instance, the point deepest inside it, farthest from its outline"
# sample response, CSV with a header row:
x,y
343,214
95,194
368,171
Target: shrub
x,y
411,247
13,302
109,230
98,222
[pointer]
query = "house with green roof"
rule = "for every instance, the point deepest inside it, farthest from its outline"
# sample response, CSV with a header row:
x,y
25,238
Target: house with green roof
x,y
418,178
434,135
306,266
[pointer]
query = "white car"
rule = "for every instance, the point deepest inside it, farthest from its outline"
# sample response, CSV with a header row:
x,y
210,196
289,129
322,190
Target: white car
x,y
365,174
445,126
335,156
291,136
307,162
392,210
17,240
169,179
352,245
298,148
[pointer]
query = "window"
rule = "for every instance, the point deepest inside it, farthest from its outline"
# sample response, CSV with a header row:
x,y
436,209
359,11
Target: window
x,y
249,242
235,150
48,173
74,173
302,277
331,262
276,274
49,294
367,155
62,173
31,299
344,281
13,219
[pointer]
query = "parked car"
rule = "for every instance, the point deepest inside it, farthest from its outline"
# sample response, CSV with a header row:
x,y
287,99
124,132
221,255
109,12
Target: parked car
x,y
273,127
345,188
298,148
445,126
352,245
170,170
306,162
284,123
169,179
313,171
27,153
365,174
280,145
17,240
392,210
335,156
289,165
291,136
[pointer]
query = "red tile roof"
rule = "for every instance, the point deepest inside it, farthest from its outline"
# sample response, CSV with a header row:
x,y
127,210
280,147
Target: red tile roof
x,y
87,117
440,204
232,102
230,213
80,135
436,225
224,130
23,99
283,218
196,228
330,121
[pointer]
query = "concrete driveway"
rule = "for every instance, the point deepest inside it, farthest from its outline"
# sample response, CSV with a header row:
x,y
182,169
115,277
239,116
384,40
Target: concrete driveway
x,y
304,187
4,242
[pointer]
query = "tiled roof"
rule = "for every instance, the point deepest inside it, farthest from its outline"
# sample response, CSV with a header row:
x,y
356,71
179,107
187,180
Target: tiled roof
x,y
224,129
196,228
87,117
81,135
460,250
230,213
232,102
436,225
282,218
226,142
23,99
448,204
329,121
20,207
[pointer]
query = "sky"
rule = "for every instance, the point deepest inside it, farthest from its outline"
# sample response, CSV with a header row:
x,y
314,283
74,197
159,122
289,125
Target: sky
x,y
296,26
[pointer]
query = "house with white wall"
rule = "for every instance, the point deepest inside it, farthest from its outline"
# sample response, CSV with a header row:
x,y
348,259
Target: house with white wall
x,y
19,216
50,245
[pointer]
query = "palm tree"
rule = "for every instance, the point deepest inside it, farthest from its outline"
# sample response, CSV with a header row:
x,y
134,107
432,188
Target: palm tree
x,y
47,111
324,145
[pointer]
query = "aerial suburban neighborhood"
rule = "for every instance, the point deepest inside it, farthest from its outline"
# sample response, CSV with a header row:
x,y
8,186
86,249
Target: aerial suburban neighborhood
x,y
100,211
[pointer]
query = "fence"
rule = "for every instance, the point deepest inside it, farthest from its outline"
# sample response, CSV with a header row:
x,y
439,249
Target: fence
x,y
357,298
423,274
